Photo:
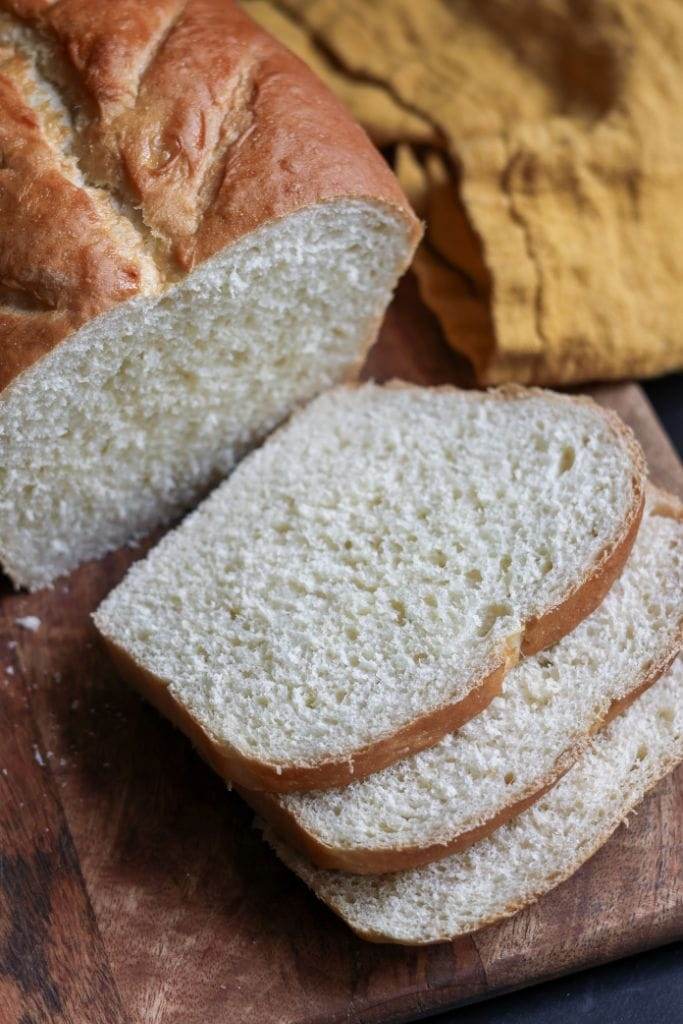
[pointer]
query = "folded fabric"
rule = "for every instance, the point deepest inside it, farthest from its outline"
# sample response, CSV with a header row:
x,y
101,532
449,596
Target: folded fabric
x,y
543,145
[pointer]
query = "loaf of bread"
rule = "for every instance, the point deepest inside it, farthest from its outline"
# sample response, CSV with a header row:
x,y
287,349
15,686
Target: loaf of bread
x,y
531,854
360,585
446,798
194,239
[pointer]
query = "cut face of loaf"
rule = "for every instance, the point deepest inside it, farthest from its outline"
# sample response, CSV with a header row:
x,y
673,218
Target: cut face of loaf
x,y
194,240
446,798
531,854
141,411
360,585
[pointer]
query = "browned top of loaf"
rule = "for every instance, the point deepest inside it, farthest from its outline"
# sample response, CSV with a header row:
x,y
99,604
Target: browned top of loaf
x,y
190,127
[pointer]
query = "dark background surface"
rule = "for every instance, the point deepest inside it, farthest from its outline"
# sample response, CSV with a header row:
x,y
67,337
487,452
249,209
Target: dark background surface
x,y
644,989
666,395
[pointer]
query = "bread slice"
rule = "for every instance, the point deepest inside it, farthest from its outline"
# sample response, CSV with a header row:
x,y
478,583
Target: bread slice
x,y
361,584
195,238
446,798
526,857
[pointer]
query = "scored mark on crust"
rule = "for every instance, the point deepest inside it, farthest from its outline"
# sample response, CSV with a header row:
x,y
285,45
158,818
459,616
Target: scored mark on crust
x,y
237,123
156,48
58,101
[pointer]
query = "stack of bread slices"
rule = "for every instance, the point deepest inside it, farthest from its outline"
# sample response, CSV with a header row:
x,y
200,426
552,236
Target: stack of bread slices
x,y
432,637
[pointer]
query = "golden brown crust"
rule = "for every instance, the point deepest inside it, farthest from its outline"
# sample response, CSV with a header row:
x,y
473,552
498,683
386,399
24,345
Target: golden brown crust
x,y
58,264
545,630
251,774
186,112
510,909
376,861
427,730
513,908
370,861
552,624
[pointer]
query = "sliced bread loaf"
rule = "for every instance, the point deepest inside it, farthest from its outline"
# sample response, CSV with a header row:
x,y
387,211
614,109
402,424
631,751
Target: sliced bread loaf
x,y
359,586
526,857
448,797
195,238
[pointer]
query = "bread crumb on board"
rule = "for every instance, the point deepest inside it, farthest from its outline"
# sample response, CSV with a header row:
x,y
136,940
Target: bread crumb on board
x,y
30,622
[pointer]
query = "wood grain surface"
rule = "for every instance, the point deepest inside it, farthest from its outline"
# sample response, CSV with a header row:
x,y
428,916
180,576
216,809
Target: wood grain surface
x,y
134,889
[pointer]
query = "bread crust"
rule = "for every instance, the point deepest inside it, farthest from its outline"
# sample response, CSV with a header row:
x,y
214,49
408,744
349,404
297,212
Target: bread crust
x,y
551,625
510,909
376,861
250,774
581,600
192,117
369,861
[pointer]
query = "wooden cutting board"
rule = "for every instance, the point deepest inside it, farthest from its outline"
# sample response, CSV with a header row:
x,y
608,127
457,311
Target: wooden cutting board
x,y
133,888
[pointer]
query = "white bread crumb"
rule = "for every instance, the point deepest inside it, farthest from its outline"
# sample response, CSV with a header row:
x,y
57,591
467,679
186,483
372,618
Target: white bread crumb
x,y
30,622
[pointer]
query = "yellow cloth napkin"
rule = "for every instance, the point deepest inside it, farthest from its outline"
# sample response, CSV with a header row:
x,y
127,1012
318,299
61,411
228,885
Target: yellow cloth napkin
x,y
542,141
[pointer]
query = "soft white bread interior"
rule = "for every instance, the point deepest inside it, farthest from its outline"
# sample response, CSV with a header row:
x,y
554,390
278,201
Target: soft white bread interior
x,y
445,798
149,405
195,238
526,857
360,584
